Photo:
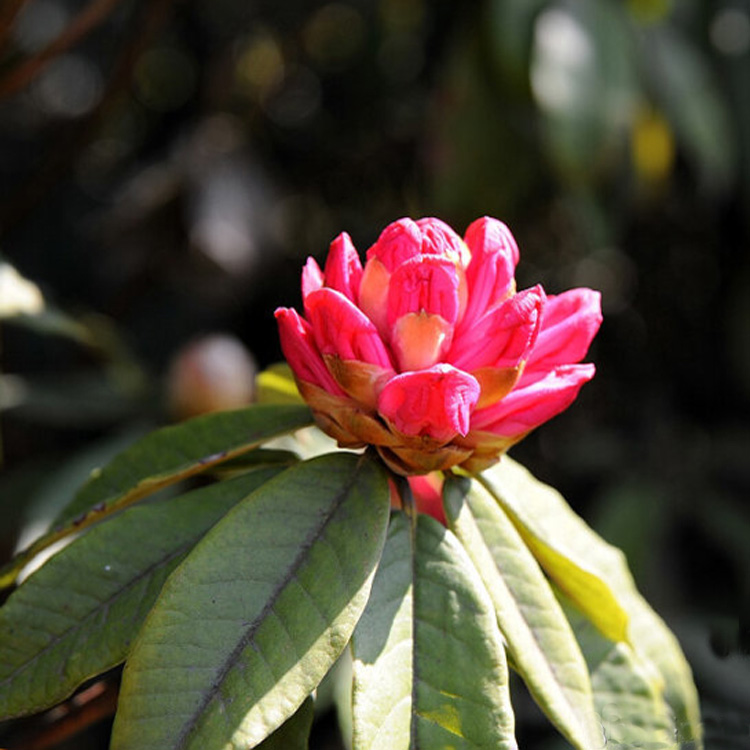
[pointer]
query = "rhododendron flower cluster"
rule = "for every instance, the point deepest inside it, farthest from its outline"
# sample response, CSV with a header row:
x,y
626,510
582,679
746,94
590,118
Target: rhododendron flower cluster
x,y
429,353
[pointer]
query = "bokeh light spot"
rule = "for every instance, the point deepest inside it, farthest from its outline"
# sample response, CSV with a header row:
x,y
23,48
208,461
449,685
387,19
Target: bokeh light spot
x,y
334,34
69,87
730,32
260,65
653,146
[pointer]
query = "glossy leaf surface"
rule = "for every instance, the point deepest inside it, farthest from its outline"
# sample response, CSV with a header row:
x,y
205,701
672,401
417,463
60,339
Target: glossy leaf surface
x,y
595,576
429,665
160,459
539,638
253,619
77,615
558,538
630,706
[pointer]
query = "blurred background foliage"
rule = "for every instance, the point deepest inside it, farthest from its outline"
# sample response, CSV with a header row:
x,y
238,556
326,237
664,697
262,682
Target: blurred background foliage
x,y
166,167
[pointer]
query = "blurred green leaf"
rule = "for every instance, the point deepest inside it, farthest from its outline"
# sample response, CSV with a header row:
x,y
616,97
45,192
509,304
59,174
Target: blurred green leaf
x,y
510,25
541,643
584,79
429,664
160,459
253,619
488,154
59,483
76,616
685,87
87,399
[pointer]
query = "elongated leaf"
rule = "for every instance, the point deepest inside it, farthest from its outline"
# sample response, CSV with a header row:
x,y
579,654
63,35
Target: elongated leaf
x,y
658,648
631,710
294,733
685,85
252,620
183,450
162,458
557,537
585,99
77,615
541,643
429,666
596,578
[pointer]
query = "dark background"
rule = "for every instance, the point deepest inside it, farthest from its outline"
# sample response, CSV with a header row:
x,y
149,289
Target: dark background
x,y
166,167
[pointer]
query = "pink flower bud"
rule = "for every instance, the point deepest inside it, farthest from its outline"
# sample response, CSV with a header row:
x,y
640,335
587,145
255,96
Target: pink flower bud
x,y
428,353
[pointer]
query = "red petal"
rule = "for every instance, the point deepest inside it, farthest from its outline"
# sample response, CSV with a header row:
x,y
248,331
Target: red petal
x,y
312,277
424,284
298,345
569,324
523,409
439,239
343,271
436,403
494,256
397,243
341,328
503,337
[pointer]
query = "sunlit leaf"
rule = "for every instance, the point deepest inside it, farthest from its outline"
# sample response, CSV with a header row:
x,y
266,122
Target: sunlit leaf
x,y
596,578
182,450
294,733
541,644
253,619
275,385
160,459
559,538
18,295
429,665
631,709
77,615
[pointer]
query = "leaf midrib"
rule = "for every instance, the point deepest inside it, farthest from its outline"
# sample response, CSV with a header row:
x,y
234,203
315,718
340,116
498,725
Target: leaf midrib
x,y
250,633
101,606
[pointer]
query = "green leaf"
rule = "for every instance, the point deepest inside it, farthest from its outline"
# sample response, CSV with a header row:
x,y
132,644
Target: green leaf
x,y
655,643
160,459
596,578
684,85
630,707
294,733
509,26
76,616
253,460
429,666
183,450
252,620
558,539
584,75
539,638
